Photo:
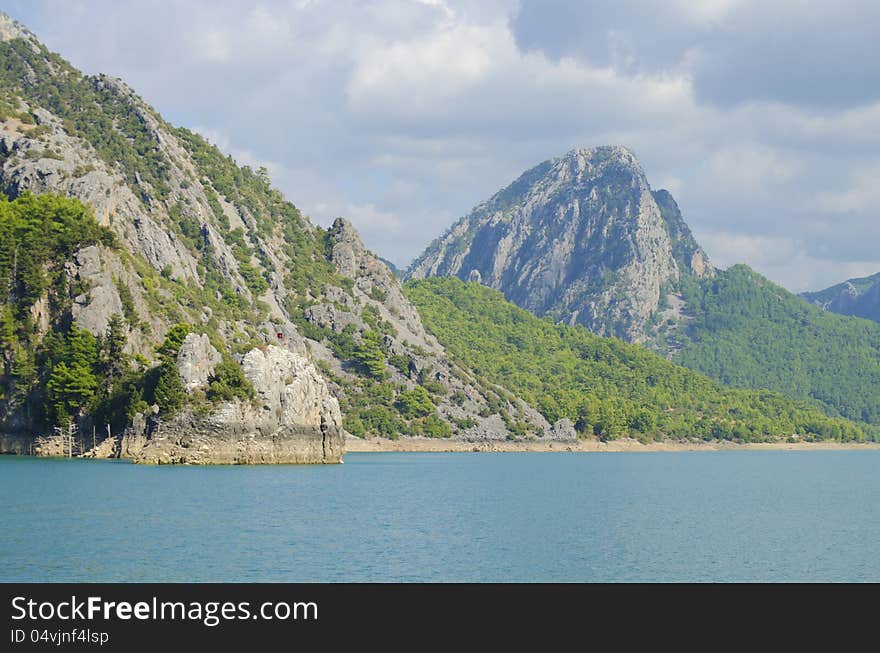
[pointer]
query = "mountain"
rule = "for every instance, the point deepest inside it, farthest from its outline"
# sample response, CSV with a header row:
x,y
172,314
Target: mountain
x,y
859,297
746,331
580,238
164,304
162,294
604,387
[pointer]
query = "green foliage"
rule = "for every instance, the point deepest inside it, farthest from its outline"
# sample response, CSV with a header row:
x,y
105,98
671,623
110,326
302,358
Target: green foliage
x,y
432,426
10,108
114,361
607,387
169,393
369,355
404,364
253,279
354,425
72,381
173,340
228,382
38,234
415,403
382,421
748,332
127,299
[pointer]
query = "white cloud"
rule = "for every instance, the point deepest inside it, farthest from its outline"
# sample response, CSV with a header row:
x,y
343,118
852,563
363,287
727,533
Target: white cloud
x,y
704,13
751,168
424,72
861,196
782,259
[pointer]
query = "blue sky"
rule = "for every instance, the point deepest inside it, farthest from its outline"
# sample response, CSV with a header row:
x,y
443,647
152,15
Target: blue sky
x,y
762,118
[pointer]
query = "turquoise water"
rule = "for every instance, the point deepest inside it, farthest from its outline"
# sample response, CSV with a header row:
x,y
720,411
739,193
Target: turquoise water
x,y
713,516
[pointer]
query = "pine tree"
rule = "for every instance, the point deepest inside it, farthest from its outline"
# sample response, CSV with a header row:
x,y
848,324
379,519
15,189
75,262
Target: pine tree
x,y
369,355
115,360
169,393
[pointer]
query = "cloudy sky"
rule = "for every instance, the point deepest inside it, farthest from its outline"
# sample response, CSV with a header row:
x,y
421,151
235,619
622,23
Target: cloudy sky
x,y
761,117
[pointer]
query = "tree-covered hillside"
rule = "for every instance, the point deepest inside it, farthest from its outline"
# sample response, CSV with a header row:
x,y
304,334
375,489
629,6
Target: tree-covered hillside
x,y
200,243
61,372
748,332
607,387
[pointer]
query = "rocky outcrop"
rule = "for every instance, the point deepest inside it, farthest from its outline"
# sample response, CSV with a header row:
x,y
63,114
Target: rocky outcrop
x,y
12,29
857,297
376,291
293,418
196,360
99,301
580,238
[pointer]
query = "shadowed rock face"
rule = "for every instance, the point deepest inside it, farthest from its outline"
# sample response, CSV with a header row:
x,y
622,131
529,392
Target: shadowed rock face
x,y
293,418
581,238
858,297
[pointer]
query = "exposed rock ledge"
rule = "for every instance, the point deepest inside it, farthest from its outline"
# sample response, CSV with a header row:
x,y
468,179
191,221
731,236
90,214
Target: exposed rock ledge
x,y
293,419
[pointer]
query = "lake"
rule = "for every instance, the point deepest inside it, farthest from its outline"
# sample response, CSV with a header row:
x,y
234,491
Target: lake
x,y
691,516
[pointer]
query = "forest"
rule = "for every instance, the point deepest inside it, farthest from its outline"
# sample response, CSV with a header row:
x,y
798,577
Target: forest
x,y
746,331
607,387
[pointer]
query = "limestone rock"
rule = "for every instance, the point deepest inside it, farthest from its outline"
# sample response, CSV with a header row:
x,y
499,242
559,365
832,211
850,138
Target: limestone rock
x,y
196,360
292,419
93,309
564,429
580,238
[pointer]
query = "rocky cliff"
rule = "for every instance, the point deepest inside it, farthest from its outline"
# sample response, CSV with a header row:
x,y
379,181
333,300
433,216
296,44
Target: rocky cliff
x,y
203,246
580,238
292,417
857,297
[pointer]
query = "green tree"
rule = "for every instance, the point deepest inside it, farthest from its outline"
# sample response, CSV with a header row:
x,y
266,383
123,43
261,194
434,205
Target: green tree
x,y
369,355
415,403
70,389
173,339
169,394
115,360
72,381
229,382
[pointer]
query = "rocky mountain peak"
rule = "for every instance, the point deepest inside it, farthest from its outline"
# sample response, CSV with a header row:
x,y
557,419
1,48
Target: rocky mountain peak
x,y
11,29
344,232
590,160
580,238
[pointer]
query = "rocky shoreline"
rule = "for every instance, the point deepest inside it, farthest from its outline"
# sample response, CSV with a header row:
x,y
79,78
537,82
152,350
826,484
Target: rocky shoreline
x,y
415,444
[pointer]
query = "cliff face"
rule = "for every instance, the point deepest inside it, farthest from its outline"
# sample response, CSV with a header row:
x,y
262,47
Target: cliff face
x,y
204,243
292,418
581,238
857,297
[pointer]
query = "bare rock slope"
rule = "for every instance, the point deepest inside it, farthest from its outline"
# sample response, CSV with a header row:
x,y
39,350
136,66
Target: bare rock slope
x,y
580,238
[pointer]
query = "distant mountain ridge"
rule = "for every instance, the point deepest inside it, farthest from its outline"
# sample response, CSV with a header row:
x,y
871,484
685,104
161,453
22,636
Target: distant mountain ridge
x,y
859,297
